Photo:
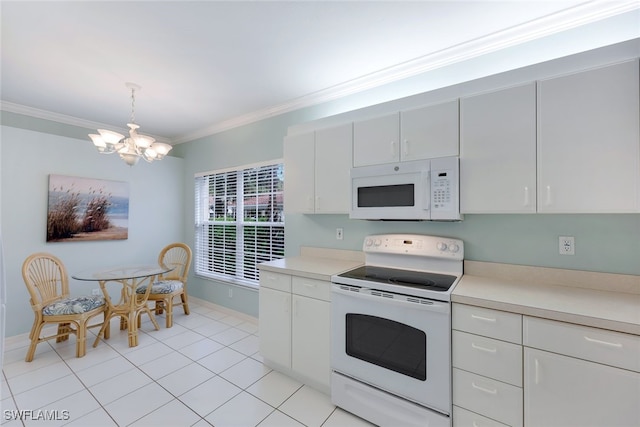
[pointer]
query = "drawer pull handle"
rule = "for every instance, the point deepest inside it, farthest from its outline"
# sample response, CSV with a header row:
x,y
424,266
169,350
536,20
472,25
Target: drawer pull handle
x,y
526,196
536,376
484,389
488,350
609,344
309,285
485,319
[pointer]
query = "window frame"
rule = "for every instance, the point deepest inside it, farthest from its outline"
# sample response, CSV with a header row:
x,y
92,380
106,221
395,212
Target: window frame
x,y
203,219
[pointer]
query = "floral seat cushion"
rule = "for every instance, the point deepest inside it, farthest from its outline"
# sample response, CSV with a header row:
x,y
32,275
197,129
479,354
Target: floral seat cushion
x,y
161,287
73,305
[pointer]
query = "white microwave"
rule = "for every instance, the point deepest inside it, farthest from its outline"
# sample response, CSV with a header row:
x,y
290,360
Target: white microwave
x,y
416,190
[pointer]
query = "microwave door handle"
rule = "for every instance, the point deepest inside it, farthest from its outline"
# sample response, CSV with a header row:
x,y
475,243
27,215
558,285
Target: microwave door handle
x,y
427,190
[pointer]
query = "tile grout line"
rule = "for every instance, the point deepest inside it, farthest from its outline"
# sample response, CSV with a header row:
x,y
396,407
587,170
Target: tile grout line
x,y
249,330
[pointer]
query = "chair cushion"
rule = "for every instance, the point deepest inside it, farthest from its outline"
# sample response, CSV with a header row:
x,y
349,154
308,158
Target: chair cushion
x,y
73,305
161,287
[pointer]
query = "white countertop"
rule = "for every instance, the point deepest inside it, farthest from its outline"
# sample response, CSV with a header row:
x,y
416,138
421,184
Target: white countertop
x,y
315,263
601,300
608,301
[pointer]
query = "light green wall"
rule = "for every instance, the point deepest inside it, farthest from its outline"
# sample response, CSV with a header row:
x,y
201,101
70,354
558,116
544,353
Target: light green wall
x,y
608,243
156,214
163,193
248,144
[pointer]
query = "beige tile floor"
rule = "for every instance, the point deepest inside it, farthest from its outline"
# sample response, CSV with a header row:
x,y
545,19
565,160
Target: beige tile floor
x,y
205,370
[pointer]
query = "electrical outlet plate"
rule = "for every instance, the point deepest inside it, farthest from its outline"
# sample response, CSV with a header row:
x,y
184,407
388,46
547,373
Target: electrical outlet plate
x,y
566,245
339,233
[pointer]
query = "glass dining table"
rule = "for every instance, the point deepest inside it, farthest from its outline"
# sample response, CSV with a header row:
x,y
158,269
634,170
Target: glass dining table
x,y
131,304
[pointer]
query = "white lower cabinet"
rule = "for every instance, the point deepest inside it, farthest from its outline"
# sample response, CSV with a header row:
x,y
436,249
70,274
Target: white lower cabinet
x,y
564,391
295,327
514,370
462,417
487,367
275,323
494,399
580,376
310,338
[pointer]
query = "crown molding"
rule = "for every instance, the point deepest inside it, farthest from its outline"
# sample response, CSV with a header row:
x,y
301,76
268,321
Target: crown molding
x,y
64,119
568,19
552,24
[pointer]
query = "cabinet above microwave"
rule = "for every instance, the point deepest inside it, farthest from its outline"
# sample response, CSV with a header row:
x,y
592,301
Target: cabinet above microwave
x,y
422,133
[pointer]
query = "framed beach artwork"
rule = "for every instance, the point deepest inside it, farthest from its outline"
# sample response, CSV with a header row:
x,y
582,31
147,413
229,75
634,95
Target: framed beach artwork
x,y
82,209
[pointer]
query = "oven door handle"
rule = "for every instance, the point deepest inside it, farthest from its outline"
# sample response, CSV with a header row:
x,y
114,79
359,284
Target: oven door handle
x,y
433,306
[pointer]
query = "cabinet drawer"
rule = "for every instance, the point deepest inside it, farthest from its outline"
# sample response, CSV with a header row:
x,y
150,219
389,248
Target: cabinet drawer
x,y
464,418
491,358
487,322
280,282
491,398
584,342
312,288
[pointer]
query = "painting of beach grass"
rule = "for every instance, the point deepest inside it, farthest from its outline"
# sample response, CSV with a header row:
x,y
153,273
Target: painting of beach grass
x,y
83,209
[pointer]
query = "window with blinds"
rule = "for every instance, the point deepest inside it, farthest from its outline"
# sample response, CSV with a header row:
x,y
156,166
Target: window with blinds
x,y
239,221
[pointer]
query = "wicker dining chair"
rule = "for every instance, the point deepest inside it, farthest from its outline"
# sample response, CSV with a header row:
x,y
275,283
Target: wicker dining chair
x,y
48,284
173,284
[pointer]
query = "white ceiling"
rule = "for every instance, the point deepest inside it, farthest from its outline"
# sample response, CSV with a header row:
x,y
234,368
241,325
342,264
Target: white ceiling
x,y
205,66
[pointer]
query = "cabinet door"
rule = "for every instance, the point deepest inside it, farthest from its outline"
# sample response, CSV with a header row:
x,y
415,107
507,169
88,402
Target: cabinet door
x,y
563,391
275,326
375,141
299,173
430,132
333,161
311,340
498,151
588,142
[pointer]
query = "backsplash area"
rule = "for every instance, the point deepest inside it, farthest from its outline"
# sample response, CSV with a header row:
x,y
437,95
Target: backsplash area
x,y
603,243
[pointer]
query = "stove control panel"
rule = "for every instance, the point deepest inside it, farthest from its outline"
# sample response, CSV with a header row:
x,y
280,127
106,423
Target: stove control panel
x,y
414,244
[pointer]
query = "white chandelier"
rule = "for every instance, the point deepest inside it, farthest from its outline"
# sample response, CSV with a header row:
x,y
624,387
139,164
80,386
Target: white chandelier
x,y
135,146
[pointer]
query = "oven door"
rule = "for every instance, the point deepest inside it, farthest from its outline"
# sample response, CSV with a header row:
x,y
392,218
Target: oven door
x,y
396,343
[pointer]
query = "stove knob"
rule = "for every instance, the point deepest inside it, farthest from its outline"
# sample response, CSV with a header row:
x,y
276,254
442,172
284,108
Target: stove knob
x,y
454,248
441,246
378,242
368,242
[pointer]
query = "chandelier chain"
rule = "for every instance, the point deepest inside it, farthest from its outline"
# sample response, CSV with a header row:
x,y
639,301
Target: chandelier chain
x,y
133,105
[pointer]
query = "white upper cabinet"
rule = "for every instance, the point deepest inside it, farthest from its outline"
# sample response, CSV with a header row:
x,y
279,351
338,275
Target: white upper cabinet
x,y
299,173
333,161
376,141
498,151
422,133
430,132
317,166
588,141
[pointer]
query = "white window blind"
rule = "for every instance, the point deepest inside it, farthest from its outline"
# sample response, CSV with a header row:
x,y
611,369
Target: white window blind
x,y
239,221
